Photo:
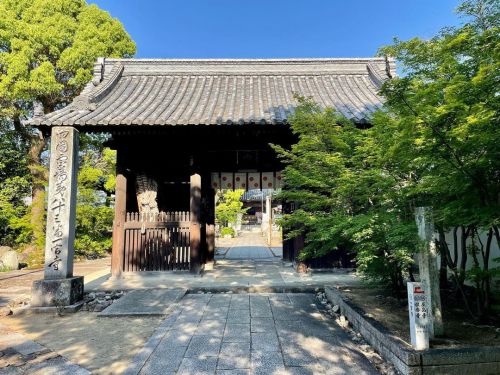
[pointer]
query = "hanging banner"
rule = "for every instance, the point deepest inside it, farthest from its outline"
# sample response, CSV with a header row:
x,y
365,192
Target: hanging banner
x,y
279,180
240,181
247,181
226,180
253,181
215,180
267,180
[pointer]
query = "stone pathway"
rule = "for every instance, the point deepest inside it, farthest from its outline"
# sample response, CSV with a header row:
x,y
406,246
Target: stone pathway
x,y
248,246
227,274
19,355
249,334
246,262
249,252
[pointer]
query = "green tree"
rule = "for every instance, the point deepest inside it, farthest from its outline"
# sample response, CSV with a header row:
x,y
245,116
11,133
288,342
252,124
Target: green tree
x,y
440,133
344,197
229,206
47,51
14,187
96,184
435,144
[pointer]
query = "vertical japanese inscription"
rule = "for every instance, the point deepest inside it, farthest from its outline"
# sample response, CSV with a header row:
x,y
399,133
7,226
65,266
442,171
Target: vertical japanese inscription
x,y
418,310
61,203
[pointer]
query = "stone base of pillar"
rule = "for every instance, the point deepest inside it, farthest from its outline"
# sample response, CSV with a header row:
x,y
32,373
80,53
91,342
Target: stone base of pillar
x,y
209,265
57,292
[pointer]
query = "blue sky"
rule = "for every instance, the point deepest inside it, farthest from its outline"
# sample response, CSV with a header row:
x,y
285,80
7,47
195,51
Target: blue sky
x,y
275,28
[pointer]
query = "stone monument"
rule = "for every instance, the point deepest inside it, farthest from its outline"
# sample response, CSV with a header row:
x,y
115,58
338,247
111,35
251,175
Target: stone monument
x,y
59,287
428,268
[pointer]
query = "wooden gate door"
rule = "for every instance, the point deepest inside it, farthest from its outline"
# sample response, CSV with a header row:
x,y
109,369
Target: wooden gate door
x,y
158,242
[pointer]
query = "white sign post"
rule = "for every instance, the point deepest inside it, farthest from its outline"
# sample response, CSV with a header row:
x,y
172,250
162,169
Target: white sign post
x,y
418,309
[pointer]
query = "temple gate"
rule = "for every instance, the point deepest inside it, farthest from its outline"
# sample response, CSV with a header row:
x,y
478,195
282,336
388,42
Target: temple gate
x,y
180,125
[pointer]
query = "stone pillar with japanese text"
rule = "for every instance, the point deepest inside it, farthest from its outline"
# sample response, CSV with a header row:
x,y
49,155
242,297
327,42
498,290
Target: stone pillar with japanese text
x,y
59,287
428,268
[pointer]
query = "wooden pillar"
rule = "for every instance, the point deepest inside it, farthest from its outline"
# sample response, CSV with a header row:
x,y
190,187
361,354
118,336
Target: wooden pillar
x,y
119,221
205,217
269,212
210,225
195,227
287,244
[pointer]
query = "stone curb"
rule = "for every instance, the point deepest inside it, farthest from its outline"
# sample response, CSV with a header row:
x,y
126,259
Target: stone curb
x,y
193,290
224,288
333,271
458,361
168,311
253,289
70,309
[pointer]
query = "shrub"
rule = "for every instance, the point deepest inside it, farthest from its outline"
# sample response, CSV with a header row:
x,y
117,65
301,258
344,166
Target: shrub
x,y
227,231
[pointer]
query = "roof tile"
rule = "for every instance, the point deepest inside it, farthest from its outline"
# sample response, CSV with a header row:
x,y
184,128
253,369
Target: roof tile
x,y
192,92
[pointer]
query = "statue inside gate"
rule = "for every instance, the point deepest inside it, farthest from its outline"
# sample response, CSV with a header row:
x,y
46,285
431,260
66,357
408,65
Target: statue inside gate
x,y
147,191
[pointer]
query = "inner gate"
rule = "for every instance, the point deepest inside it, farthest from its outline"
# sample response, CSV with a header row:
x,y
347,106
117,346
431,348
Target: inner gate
x,y
169,184
156,242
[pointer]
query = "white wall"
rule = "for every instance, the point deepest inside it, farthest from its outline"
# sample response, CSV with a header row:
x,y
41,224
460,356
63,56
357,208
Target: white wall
x,y
495,251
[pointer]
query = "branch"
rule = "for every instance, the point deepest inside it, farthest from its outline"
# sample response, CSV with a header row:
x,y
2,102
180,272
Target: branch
x,y
460,167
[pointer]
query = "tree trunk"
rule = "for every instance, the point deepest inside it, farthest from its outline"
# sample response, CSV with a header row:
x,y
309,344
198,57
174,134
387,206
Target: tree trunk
x,y
463,254
445,252
411,275
443,269
486,267
39,173
477,281
455,247
497,234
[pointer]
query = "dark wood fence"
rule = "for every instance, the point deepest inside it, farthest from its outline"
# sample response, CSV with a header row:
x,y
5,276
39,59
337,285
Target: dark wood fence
x,y
157,242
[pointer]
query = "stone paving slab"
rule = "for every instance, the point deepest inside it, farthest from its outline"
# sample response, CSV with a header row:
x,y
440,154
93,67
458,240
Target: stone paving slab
x,y
19,343
305,343
19,355
248,252
145,302
249,245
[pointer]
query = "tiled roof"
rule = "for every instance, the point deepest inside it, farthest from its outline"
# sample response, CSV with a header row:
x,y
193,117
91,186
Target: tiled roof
x,y
192,92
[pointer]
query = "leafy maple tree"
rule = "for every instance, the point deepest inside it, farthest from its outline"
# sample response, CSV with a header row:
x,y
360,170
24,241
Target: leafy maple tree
x,y
440,133
436,143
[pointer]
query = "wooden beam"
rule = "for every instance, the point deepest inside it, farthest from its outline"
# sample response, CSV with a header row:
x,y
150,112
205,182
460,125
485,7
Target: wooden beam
x,y
195,228
119,222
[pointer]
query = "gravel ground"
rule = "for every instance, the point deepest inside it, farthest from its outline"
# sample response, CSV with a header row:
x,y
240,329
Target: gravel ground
x,y
102,345
17,284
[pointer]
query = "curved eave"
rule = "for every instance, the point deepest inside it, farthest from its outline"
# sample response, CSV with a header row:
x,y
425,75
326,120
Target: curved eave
x,y
135,92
